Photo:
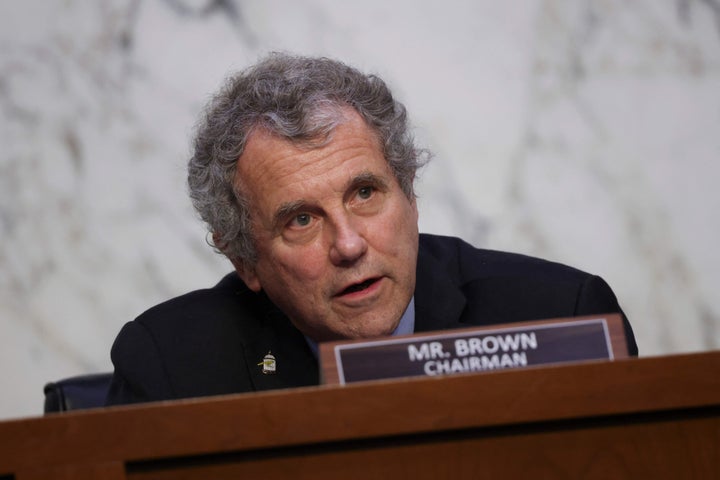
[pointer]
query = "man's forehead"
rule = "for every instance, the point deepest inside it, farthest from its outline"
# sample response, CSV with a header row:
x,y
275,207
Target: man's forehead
x,y
269,158
275,175
313,190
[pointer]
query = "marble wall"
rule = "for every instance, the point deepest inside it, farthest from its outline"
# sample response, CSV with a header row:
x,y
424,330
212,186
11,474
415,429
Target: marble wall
x,y
586,132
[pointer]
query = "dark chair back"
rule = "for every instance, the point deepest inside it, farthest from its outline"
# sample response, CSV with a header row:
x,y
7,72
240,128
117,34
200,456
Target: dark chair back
x,y
75,393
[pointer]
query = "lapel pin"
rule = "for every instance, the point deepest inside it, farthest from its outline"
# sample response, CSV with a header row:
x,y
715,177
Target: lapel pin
x,y
269,365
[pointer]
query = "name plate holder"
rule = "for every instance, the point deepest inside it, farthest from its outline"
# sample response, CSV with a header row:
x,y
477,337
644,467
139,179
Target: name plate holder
x,y
475,349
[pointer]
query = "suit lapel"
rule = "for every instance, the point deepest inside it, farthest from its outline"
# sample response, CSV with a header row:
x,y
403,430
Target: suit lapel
x,y
296,365
439,302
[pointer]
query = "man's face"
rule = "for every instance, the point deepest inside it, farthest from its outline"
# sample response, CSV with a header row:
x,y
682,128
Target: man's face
x,y
336,237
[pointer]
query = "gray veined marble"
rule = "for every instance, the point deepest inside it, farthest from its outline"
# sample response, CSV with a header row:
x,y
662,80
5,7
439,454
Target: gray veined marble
x,y
586,132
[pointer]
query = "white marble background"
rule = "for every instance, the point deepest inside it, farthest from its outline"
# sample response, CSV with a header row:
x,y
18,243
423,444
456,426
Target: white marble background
x,y
587,132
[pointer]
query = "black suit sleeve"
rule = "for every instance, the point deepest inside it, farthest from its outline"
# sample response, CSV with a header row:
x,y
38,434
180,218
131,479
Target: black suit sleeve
x,y
139,370
595,297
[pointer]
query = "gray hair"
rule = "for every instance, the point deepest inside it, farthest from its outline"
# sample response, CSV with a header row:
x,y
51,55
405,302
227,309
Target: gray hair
x,y
299,99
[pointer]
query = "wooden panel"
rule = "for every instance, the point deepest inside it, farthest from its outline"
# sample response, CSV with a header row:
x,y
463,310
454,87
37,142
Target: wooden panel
x,y
376,416
103,471
668,449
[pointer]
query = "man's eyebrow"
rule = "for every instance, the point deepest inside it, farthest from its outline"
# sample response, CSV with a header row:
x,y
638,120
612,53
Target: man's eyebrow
x,y
366,178
287,209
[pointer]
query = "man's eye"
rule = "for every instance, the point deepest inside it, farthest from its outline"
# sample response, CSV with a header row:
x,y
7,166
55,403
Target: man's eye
x,y
365,192
302,220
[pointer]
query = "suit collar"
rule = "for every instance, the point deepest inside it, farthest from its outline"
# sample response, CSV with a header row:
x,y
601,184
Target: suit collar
x,y
439,302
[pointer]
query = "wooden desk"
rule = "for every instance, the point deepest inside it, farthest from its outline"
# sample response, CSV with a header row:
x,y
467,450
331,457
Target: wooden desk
x,y
637,418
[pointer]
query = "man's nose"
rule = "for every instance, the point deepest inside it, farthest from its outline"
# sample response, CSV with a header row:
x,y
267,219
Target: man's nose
x,y
349,243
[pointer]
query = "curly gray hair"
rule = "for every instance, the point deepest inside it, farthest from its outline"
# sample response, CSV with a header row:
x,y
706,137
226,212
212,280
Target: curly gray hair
x,y
301,100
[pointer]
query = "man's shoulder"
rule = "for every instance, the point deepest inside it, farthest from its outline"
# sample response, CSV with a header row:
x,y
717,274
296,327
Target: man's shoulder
x,y
465,262
222,303
190,345
495,287
182,327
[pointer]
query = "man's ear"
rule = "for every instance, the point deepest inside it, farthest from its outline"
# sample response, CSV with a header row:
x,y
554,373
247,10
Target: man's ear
x,y
244,271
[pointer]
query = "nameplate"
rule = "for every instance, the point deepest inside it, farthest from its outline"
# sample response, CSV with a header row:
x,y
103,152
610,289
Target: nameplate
x,y
477,349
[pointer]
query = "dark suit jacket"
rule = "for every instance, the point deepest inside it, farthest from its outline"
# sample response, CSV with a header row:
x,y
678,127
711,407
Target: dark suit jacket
x,y
213,341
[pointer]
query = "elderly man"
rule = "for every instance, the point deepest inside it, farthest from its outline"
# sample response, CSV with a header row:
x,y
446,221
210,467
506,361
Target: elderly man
x,y
303,170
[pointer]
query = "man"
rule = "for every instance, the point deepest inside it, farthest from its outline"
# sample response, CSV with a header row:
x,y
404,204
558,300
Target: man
x,y
303,171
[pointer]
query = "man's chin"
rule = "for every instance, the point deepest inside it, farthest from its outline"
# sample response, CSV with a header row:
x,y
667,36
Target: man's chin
x,y
357,326
373,329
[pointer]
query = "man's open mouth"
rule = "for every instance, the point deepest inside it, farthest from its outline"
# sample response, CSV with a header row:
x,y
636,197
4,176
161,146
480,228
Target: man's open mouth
x,y
358,287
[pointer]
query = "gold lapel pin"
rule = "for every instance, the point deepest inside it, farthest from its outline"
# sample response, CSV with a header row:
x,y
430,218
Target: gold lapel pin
x,y
269,364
